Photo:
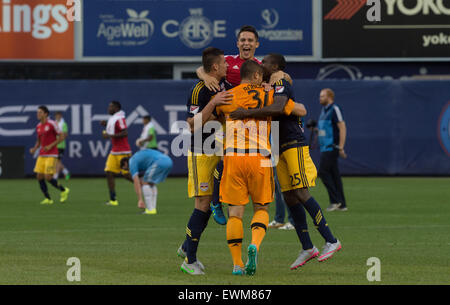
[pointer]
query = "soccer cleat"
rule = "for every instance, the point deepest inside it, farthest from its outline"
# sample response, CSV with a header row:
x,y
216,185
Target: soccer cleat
x,y
47,201
149,212
112,203
304,257
218,215
250,267
328,250
192,269
275,224
343,209
287,226
64,195
182,254
333,207
238,270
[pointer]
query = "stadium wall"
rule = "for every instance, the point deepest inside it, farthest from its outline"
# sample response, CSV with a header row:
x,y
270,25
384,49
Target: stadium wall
x,y
394,127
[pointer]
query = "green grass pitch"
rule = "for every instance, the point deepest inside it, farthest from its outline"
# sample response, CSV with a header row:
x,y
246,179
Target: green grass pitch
x,y
405,222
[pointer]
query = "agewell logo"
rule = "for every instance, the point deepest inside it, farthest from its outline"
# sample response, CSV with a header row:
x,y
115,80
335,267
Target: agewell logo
x,y
133,29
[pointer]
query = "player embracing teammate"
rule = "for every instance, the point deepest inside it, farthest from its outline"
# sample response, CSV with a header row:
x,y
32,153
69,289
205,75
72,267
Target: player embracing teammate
x,y
251,173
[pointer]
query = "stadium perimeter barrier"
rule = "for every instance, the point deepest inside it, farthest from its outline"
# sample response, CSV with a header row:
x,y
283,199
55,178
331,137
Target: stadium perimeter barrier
x,y
394,127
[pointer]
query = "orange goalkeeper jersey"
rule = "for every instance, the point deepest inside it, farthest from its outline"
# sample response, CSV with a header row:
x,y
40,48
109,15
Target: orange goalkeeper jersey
x,y
249,135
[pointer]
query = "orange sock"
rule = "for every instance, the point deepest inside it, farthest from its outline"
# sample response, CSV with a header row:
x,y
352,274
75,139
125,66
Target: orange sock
x,y
235,233
259,224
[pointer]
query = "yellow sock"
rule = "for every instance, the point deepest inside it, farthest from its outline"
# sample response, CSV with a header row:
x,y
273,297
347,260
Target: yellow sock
x,y
259,224
235,233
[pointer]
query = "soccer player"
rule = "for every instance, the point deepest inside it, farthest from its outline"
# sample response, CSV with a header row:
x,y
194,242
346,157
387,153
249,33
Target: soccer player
x,y
116,130
148,168
61,147
247,43
296,170
200,165
148,135
48,137
250,171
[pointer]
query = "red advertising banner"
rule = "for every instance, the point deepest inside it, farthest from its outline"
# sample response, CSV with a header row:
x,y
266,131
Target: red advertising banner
x,y
36,29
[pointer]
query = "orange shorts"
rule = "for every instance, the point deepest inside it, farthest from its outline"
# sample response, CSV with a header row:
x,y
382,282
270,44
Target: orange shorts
x,y
244,176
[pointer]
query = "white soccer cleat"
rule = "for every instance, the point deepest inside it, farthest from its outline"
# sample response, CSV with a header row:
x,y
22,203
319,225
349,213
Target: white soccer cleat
x,y
192,269
287,226
275,225
333,207
304,257
182,254
328,250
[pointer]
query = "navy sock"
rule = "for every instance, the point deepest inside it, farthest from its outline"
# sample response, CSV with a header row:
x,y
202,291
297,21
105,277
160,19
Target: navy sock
x,y
112,195
301,226
55,184
315,212
194,230
185,243
44,188
206,219
217,177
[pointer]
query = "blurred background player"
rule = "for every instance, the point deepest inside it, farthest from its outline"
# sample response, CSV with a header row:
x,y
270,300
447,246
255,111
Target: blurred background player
x,y
148,168
60,167
296,170
148,135
332,136
116,130
48,137
201,166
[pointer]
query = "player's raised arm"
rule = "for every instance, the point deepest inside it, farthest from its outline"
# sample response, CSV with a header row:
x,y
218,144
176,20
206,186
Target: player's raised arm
x,y
221,98
210,82
279,75
202,101
299,110
277,108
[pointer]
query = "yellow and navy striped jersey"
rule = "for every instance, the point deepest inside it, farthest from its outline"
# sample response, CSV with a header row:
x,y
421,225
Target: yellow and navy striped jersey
x,y
199,97
291,126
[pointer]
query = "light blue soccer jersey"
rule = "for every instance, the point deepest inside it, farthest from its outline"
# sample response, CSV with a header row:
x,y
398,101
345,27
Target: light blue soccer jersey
x,y
151,164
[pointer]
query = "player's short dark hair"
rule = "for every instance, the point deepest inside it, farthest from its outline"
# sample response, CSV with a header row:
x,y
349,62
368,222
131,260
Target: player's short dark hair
x,y
117,104
147,117
123,161
249,67
44,108
248,28
209,57
279,60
